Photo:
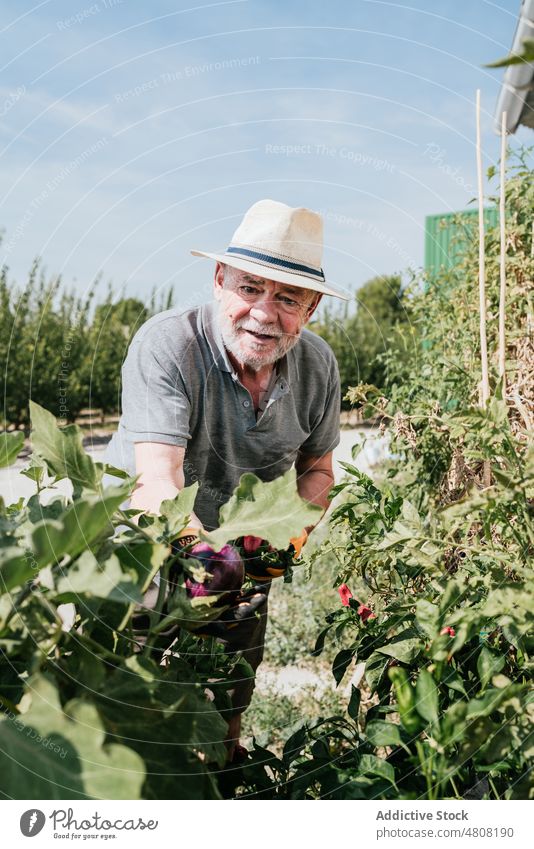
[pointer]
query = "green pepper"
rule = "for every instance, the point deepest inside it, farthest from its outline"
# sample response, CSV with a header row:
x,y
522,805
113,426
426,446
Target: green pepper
x,y
405,695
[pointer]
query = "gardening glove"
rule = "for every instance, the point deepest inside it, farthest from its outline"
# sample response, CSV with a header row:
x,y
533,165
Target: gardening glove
x,y
239,622
187,538
263,562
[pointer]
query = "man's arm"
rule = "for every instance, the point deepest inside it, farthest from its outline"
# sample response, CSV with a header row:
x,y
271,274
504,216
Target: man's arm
x,y
161,470
315,477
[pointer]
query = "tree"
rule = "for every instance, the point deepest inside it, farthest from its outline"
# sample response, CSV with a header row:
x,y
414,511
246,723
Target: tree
x,y
112,330
43,341
360,338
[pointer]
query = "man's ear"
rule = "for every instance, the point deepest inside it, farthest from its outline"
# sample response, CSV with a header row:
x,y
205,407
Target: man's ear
x,y
218,282
314,304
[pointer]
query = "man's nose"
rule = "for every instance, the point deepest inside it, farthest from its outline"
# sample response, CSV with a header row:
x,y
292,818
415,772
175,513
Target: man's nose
x,y
265,309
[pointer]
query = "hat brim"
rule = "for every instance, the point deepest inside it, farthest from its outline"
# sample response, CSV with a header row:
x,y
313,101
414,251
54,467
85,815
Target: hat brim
x,y
276,274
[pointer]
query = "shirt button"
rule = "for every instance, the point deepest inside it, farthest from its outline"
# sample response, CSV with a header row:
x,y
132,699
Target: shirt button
x,y
246,403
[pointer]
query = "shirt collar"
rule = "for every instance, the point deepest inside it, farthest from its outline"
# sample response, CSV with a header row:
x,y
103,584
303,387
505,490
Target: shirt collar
x,y
212,332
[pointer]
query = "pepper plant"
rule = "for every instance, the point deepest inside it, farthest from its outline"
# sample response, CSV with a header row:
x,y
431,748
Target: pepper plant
x,y
434,567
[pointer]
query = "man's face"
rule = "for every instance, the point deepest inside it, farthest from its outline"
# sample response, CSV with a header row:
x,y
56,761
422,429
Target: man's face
x,y
260,320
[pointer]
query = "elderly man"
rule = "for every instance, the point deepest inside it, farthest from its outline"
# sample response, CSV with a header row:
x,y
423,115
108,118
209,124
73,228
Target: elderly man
x,y
236,385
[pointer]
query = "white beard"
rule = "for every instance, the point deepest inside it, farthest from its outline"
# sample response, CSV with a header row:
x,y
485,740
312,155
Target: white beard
x,y
255,359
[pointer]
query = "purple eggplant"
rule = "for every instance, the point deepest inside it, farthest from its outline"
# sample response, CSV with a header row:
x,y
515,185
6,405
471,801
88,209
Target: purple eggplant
x,y
225,572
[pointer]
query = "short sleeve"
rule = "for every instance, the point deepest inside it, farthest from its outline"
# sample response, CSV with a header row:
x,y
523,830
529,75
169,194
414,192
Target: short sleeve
x,y
325,435
155,405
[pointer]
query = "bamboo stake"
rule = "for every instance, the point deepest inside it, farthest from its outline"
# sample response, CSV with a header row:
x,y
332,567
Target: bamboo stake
x,y
481,264
486,470
502,296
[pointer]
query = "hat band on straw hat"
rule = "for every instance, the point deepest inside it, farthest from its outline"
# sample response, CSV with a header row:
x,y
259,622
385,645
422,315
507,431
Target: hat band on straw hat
x,y
272,261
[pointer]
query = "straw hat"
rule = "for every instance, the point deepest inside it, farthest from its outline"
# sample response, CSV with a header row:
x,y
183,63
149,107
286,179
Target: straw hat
x,y
279,243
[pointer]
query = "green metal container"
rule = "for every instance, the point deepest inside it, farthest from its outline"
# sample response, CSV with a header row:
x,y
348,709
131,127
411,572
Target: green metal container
x,y
447,235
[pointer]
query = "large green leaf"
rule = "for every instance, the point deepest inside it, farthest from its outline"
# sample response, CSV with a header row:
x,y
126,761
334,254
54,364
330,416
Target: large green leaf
x,y
10,445
379,732
403,647
146,558
62,449
88,577
16,567
87,520
166,721
190,613
372,765
55,753
271,510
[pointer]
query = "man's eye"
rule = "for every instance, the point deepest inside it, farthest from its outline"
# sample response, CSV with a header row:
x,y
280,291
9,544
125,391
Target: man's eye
x,y
248,290
289,302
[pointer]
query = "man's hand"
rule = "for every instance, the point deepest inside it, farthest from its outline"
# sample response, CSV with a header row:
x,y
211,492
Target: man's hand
x,y
263,562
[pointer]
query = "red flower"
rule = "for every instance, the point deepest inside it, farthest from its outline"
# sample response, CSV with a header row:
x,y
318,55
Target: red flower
x,y
365,613
447,631
344,594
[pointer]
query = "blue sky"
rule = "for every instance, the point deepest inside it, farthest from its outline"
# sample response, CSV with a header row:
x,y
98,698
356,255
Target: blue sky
x,y
131,132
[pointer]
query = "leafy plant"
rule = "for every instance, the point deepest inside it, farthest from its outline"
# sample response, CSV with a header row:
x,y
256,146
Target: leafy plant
x,y
94,701
434,565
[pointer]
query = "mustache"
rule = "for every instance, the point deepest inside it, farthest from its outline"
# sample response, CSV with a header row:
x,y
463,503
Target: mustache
x,y
266,329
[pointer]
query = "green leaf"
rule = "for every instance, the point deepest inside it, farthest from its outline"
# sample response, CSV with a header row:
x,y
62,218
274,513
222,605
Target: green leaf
x,y
427,616
375,668
379,732
488,664
108,469
426,691
450,597
190,613
294,745
526,56
145,558
51,752
453,725
164,720
491,700
372,765
87,520
88,577
353,708
320,641
398,534
452,679
341,663
177,510
35,471
10,446
62,449
272,510
16,567
403,647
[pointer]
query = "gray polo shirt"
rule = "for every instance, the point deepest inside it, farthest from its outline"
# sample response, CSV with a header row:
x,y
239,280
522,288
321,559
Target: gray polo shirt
x,y
179,387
